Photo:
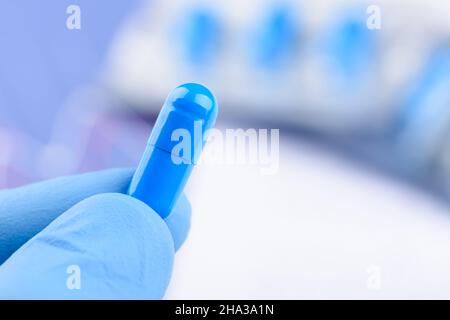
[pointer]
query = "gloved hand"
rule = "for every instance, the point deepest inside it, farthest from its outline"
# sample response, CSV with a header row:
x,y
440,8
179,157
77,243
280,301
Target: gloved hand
x,y
83,231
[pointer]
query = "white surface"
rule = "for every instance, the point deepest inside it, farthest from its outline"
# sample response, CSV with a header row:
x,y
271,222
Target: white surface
x,y
317,229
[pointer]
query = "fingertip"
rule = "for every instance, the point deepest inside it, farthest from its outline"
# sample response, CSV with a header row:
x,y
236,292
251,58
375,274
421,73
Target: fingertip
x,y
122,248
179,221
26,210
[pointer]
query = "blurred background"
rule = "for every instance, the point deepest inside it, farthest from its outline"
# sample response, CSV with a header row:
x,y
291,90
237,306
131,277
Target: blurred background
x,y
360,91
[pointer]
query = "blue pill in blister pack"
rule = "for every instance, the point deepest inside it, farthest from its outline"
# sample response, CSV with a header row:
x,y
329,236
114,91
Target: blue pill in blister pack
x,y
424,117
350,46
174,147
277,38
200,36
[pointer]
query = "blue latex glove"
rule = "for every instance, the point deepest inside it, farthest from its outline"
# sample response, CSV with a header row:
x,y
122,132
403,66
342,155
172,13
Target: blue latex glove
x,y
123,249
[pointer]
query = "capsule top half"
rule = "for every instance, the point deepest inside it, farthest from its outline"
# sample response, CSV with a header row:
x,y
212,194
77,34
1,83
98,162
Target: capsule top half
x,y
188,112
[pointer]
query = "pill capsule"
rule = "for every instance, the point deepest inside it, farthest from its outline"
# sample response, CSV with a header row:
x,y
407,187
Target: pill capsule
x,y
276,41
174,147
350,47
200,32
421,125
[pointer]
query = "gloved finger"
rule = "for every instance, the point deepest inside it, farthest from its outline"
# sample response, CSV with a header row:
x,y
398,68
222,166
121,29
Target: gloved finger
x,y
109,246
179,221
25,211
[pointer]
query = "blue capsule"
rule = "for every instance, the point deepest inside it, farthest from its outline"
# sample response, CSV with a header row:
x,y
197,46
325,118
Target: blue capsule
x,y
277,40
350,47
201,33
174,147
421,125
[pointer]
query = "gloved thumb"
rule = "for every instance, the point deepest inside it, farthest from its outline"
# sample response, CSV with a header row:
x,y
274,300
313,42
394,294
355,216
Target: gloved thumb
x,y
109,246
